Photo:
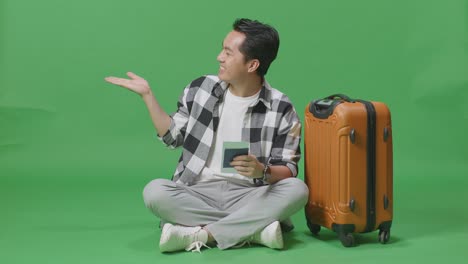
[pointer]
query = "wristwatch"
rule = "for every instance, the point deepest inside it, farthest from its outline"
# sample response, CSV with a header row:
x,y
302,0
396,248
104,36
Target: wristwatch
x,y
266,173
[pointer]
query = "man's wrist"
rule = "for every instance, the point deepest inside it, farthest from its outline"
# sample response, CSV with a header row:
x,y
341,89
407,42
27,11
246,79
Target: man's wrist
x,y
147,95
266,173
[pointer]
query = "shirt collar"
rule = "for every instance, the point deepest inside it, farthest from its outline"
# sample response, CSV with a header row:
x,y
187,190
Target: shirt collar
x,y
219,89
265,94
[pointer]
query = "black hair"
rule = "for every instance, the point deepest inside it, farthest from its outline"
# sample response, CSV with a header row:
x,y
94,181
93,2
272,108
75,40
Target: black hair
x,y
261,42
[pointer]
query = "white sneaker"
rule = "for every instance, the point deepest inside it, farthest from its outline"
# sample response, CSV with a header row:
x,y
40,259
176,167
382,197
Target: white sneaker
x,y
271,236
175,237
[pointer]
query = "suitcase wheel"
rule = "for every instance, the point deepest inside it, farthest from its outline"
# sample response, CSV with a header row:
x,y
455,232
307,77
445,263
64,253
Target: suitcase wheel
x,y
315,229
384,236
347,239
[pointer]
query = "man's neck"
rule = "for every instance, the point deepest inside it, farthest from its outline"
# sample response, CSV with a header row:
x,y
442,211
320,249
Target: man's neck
x,y
247,87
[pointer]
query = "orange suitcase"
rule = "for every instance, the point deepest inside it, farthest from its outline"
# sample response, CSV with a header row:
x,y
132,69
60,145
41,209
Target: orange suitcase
x,y
349,167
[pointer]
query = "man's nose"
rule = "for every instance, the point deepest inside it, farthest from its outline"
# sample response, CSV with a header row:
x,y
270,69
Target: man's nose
x,y
220,57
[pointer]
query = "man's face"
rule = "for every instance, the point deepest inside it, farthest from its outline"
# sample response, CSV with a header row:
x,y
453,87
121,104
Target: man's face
x,y
232,65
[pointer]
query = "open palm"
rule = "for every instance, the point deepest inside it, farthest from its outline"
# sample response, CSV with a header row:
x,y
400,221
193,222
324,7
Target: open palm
x,y
135,83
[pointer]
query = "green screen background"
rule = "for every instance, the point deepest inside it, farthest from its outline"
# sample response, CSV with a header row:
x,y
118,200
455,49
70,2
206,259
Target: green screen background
x,y
75,152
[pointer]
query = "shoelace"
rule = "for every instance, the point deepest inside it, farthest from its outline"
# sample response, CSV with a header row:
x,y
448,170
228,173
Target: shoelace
x,y
241,244
196,246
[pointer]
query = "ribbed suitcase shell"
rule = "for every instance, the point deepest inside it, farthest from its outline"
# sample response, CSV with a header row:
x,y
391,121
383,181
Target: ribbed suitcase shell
x,y
336,171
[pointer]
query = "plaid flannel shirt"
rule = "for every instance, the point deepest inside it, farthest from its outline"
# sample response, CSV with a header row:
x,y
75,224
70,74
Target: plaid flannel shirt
x,y
271,125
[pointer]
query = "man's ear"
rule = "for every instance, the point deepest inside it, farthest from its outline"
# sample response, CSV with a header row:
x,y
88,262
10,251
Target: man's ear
x,y
253,65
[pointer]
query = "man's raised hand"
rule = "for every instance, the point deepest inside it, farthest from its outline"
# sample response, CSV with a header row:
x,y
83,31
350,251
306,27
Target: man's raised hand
x,y
135,83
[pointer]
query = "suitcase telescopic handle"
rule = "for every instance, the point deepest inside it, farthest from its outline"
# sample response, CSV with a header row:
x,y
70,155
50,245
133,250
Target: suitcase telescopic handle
x,y
341,96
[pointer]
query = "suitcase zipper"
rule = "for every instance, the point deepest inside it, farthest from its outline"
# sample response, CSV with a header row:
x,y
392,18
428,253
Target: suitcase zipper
x,y
371,166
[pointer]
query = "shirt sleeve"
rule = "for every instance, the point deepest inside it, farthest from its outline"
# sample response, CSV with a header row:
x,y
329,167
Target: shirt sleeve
x,y
286,146
175,136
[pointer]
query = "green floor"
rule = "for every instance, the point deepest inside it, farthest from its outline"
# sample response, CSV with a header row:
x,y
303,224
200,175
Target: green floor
x,y
97,216
76,152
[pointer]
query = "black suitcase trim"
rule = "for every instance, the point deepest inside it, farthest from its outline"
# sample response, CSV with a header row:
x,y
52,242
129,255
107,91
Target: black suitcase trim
x,y
371,165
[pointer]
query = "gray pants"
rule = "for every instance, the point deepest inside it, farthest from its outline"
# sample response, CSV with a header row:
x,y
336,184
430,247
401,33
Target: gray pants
x,y
231,212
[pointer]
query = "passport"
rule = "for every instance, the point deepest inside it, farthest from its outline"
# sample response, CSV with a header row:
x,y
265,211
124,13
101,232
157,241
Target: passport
x,y
230,151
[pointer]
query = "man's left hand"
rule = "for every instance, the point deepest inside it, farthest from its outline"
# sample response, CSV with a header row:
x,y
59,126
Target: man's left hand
x,y
248,165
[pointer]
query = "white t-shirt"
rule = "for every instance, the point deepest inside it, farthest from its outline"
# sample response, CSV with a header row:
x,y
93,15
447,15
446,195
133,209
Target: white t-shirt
x,y
231,118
